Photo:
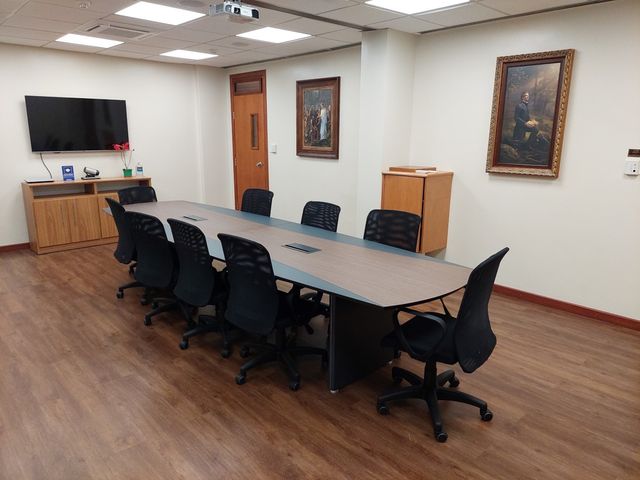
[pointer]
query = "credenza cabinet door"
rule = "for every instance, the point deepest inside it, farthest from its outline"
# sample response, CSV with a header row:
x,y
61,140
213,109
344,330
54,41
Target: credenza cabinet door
x,y
107,225
52,222
84,221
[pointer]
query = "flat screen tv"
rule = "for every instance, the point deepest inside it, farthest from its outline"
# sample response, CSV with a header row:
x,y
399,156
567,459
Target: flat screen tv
x,y
58,124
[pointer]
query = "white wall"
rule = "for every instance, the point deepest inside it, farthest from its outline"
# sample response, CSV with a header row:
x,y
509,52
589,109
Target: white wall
x,y
295,180
575,238
167,104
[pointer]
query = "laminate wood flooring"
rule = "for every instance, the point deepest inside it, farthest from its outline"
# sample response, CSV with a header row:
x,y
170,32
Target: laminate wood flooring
x,y
88,392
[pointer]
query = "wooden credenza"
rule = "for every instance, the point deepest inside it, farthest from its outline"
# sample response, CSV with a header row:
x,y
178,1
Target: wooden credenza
x,y
65,215
427,194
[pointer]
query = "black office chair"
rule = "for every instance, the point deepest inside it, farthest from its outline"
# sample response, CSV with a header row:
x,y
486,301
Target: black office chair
x,y
394,228
125,251
137,194
157,268
199,283
439,337
322,215
258,201
256,306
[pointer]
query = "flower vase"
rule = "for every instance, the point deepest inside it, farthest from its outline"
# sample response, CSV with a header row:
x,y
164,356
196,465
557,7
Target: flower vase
x,y
127,172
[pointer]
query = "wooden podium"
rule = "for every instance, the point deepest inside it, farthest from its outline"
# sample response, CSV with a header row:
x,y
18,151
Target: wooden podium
x,y
425,193
65,215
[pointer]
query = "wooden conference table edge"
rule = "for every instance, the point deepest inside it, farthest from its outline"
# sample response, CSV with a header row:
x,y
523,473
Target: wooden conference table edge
x,y
356,326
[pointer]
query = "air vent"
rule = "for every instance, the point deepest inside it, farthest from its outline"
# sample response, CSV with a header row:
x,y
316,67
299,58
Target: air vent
x,y
119,32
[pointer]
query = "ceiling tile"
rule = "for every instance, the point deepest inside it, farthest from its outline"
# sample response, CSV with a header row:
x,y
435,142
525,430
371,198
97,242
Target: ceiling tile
x,y
22,41
407,24
137,48
101,6
222,26
273,17
302,46
513,8
311,27
61,14
135,23
460,15
216,49
28,34
190,35
9,6
168,43
240,58
238,43
73,47
311,6
121,53
33,23
348,35
362,15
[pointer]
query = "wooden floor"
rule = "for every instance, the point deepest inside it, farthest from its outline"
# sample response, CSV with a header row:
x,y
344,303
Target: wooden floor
x,y
88,392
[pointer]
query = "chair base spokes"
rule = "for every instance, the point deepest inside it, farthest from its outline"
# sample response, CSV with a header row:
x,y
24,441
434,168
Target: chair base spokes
x,y
430,389
281,352
206,324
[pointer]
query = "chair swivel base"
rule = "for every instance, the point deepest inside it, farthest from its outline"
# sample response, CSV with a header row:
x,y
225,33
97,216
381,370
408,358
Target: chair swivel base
x,y
160,305
122,288
281,353
430,390
206,324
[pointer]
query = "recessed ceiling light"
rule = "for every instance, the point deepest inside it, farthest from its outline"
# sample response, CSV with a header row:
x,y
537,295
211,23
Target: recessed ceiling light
x,y
188,54
273,35
90,41
159,13
409,7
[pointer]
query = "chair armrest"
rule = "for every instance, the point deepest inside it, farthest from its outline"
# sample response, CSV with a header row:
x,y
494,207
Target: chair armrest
x,y
423,315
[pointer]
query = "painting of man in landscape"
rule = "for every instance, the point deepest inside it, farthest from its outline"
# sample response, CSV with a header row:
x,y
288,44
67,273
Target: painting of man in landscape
x,y
529,110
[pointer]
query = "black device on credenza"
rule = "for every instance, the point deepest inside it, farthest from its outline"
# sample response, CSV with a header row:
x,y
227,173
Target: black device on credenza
x,y
59,124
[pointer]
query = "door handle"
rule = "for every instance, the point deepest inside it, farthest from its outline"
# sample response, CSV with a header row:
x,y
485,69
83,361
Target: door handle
x,y
259,164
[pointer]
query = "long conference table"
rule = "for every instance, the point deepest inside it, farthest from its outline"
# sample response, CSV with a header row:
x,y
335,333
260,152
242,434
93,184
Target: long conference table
x,y
365,280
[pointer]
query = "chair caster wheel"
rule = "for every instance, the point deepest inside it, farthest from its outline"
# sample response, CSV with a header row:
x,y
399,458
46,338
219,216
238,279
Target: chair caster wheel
x,y
454,382
486,416
294,385
225,353
119,294
240,379
147,320
244,352
382,409
441,437
144,301
184,344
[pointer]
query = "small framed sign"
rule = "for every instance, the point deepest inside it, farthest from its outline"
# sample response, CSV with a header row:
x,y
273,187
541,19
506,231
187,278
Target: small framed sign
x,y
67,173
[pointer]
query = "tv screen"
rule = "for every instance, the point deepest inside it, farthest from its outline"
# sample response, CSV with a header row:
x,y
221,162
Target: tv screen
x,y
59,124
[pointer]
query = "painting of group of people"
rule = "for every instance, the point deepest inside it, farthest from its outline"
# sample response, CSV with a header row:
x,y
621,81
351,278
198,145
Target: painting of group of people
x,y
317,117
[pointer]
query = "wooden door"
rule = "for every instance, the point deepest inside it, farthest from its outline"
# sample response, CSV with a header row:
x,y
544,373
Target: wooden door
x,y
107,225
52,222
249,130
84,222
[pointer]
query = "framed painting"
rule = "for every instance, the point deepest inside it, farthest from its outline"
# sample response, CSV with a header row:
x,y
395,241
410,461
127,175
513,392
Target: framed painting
x,y
530,96
318,117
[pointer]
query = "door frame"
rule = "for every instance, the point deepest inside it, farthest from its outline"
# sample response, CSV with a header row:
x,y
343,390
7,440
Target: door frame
x,y
243,77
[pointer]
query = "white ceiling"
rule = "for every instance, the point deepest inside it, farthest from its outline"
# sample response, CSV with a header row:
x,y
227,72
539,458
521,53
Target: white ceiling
x,y
39,23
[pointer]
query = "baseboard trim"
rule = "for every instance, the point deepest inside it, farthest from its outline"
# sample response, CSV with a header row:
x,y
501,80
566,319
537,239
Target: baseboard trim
x,y
11,248
569,307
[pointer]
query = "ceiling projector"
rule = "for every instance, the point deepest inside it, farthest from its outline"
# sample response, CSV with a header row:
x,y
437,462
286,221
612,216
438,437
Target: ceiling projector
x,y
235,11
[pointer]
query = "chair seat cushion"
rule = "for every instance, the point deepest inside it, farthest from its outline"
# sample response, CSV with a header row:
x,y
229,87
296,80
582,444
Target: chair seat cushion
x,y
423,335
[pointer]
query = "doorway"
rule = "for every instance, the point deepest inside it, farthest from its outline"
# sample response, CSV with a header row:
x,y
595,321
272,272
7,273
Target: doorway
x,y
249,132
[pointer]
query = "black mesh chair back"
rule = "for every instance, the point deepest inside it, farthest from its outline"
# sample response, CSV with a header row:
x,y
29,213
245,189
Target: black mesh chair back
x,y
138,194
196,279
321,215
125,250
258,201
156,263
394,228
253,295
473,337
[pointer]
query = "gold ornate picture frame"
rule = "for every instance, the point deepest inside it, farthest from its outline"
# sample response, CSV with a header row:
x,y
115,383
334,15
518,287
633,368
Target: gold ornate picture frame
x,y
318,117
530,97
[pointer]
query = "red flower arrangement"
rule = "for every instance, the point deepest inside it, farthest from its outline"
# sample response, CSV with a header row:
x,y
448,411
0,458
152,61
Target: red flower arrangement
x,y
123,148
